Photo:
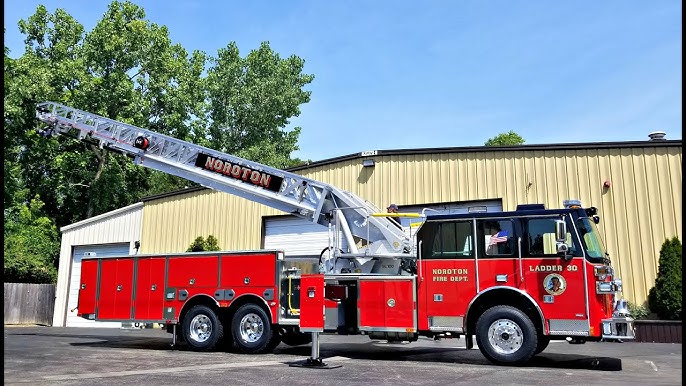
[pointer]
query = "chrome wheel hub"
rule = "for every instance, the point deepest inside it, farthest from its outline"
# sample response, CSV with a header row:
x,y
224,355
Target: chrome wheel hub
x,y
505,336
251,328
200,328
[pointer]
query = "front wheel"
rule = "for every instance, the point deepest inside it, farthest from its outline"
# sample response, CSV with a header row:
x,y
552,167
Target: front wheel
x,y
201,328
251,330
506,336
543,342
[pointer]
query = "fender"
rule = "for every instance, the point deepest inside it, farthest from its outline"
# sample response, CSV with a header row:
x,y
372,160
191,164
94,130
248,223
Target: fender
x,y
269,309
520,292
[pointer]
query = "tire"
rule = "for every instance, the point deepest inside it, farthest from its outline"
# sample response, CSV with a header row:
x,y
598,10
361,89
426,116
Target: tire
x,y
506,336
274,342
201,328
296,338
251,329
543,342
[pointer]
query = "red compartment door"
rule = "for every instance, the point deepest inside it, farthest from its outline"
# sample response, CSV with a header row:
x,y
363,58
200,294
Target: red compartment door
x,y
149,302
388,305
116,289
88,288
312,303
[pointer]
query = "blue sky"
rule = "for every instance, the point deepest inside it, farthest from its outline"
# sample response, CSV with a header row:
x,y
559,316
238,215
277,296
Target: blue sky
x,y
416,74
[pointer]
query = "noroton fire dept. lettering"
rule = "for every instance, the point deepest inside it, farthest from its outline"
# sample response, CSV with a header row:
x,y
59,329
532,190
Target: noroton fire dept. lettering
x,y
239,172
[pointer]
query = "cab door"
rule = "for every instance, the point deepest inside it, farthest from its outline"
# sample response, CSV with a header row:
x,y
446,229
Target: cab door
x,y
556,283
447,280
498,257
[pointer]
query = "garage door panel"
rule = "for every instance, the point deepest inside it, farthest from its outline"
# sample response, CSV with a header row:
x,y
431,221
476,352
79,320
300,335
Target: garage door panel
x,y
297,237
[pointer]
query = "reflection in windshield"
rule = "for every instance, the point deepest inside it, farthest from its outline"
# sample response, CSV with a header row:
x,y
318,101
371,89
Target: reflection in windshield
x,y
591,239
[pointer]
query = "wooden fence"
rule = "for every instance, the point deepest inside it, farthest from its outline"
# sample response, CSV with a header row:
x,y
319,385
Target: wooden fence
x,y
658,331
29,303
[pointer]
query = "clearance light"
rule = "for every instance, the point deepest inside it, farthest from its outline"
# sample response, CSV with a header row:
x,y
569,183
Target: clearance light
x,y
602,271
571,204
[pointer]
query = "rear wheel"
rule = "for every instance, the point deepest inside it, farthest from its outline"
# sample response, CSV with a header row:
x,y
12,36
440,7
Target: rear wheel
x,y
251,330
506,336
201,328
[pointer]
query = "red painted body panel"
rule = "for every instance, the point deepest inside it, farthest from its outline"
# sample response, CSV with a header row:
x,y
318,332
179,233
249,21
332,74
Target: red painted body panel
x,y
387,303
259,270
446,288
569,301
601,306
88,287
193,272
116,289
371,303
312,303
149,297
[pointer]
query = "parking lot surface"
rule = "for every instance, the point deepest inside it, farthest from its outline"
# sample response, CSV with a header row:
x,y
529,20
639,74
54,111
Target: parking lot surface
x,y
37,355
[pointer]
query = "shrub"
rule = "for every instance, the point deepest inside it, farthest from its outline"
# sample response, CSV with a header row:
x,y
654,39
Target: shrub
x,y
638,311
200,244
665,297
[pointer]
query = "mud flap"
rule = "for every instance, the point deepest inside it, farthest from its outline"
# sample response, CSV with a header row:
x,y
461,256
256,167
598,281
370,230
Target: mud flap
x,y
469,341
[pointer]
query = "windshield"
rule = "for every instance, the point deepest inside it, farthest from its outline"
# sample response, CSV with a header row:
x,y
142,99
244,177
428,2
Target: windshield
x,y
591,239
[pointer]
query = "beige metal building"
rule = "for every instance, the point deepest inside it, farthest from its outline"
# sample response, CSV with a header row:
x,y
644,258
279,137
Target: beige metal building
x,y
636,187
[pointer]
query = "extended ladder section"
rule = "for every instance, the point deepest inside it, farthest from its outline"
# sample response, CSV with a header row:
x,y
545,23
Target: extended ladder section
x,y
289,192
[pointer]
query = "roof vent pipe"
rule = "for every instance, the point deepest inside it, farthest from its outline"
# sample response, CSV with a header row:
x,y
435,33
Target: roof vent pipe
x,y
657,136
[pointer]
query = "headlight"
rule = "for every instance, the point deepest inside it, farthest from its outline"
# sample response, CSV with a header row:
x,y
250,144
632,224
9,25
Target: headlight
x,y
603,287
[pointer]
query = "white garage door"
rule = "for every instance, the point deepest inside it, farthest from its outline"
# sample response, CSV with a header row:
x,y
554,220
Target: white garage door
x,y
297,237
101,250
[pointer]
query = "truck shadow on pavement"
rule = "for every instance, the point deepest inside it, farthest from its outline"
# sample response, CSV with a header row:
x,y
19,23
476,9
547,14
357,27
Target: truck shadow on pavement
x,y
453,355
370,351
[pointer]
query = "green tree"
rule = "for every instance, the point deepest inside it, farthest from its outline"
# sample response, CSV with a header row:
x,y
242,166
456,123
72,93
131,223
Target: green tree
x,y
665,298
31,240
127,68
251,101
505,139
200,244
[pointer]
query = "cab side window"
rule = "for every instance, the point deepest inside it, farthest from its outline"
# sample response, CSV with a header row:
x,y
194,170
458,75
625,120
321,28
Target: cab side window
x,y
498,237
540,239
447,240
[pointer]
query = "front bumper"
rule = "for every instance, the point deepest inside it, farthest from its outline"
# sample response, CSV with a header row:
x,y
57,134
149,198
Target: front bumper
x,y
618,328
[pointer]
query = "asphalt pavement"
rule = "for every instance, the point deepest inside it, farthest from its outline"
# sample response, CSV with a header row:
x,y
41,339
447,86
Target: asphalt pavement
x,y
39,355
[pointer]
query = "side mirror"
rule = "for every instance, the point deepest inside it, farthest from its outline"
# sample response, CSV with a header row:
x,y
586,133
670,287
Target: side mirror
x,y
560,231
561,239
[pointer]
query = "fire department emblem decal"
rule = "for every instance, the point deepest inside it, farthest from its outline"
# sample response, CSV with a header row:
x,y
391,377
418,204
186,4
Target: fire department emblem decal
x,y
554,284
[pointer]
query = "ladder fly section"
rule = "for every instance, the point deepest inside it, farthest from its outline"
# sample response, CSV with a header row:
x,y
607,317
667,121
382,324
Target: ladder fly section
x,y
285,191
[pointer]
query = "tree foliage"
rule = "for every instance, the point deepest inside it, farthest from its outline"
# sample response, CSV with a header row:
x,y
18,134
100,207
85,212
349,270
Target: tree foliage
x,y
200,244
31,240
127,68
505,139
665,298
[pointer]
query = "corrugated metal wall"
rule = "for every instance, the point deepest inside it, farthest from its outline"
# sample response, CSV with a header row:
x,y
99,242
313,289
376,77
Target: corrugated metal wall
x,y
640,209
118,226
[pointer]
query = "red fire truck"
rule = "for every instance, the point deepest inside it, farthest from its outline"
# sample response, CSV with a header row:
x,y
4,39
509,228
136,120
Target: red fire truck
x,y
513,280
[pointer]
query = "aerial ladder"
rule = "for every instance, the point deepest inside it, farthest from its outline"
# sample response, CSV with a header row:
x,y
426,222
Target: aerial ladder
x,y
344,213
